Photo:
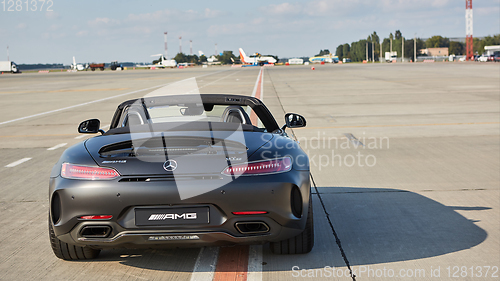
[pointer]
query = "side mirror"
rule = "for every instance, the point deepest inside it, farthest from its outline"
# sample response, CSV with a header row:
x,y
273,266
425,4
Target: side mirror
x,y
293,120
90,126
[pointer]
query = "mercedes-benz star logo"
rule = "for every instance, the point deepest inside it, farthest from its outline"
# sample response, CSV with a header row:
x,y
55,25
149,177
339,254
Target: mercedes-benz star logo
x,y
170,165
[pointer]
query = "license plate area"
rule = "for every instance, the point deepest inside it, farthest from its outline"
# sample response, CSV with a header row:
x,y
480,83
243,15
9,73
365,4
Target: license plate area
x,y
171,216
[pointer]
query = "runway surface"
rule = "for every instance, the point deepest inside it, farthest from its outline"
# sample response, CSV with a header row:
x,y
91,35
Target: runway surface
x,y
405,160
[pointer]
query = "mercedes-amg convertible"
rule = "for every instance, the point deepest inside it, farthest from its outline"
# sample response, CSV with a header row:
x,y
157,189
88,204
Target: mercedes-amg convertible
x,y
183,171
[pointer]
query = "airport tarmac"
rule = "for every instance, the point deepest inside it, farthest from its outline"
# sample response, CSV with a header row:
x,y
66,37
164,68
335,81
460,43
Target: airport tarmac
x,y
405,160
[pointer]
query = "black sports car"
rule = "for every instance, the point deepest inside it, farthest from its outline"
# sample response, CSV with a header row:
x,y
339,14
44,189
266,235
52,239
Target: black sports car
x,y
183,170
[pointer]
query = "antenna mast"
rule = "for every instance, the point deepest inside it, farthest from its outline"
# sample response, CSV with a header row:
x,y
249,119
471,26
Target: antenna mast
x,y
468,30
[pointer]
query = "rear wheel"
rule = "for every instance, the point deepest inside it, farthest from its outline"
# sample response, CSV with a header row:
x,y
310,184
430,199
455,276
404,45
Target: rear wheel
x,y
67,251
300,244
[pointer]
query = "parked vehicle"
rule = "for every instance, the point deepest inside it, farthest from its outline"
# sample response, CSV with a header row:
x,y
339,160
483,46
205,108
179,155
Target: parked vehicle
x,y
183,170
115,65
483,58
390,56
9,66
94,66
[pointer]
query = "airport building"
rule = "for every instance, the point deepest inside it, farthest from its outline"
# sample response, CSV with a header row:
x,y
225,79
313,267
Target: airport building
x,y
435,52
490,50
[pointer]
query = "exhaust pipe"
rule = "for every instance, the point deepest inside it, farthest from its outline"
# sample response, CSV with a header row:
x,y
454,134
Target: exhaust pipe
x,y
252,227
98,231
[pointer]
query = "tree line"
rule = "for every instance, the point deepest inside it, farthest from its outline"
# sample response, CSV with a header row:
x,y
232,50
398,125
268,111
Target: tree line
x,y
356,51
224,58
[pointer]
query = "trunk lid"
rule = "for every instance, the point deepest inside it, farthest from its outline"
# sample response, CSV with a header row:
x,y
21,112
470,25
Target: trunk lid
x,y
195,153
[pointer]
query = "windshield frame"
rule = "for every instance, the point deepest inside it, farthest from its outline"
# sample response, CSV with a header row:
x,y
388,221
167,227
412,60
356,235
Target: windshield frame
x,y
208,100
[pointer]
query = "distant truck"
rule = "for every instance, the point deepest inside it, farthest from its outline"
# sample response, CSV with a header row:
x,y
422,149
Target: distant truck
x,y
9,66
390,56
295,61
94,66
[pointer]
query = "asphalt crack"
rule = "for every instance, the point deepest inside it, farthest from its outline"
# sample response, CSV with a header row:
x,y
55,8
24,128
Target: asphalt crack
x,y
337,239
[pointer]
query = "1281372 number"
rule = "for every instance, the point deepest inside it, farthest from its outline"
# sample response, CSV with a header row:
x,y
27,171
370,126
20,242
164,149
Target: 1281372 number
x,y
472,271
27,5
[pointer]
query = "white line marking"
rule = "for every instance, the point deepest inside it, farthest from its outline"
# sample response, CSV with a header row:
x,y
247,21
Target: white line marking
x,y
57,146
94,101
77,105
204,268
13,164
249,109
254,272
262,86
217,80
257,83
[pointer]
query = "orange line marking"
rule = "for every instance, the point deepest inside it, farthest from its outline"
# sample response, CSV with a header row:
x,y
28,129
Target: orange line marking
x,y
253,116
232,264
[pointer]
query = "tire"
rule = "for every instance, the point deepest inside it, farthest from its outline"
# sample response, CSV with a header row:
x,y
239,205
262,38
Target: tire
x,y
70,252
300,244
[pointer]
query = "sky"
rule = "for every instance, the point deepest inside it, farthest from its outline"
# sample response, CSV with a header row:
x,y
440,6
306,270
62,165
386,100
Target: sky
x,y
132,31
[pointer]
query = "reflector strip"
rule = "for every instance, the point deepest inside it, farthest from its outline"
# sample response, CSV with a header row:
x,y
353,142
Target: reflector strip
x,y
250,213
96,217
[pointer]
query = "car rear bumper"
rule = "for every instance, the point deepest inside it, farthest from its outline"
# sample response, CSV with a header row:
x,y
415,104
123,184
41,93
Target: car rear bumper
x,y
272,194
175,238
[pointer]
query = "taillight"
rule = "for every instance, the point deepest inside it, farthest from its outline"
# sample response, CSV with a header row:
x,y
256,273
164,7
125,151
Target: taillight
x,y
70,171
272,166
96,217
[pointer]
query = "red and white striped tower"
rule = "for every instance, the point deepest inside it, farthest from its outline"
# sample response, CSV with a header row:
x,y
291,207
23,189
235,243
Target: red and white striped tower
x,y
468,30
191,47
166,54
180,44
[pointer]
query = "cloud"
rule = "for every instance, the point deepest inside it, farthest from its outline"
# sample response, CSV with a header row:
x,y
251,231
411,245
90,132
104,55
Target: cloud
x,y
21,25
141,30
414,5
148,17
54,27
316,8
52,15
209,14
339,8
53,35
282,9
82,33
101,22
175,16
486,11
229,29
261,27
144,24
